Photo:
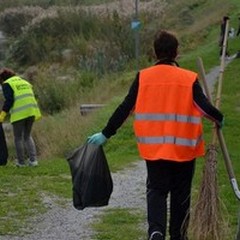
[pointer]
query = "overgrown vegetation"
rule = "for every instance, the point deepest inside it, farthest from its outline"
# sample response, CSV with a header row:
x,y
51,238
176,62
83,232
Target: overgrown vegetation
x,y
68,58
48,3
94,44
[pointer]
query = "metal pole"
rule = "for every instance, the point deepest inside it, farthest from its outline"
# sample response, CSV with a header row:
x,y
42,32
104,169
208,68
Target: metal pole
x,y
136,36
136,8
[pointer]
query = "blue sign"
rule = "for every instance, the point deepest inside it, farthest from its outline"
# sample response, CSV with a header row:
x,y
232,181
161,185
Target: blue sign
x,y
135,25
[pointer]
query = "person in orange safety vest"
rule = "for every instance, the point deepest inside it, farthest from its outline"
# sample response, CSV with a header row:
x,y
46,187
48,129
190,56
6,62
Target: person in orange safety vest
x,y
168,104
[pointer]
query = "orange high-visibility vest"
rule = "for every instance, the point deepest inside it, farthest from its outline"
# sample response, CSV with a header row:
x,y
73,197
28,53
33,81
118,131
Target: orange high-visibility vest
x,y
167,123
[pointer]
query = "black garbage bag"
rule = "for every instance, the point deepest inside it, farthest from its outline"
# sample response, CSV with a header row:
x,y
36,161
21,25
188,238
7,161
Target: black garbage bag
x,y
3,147
91,177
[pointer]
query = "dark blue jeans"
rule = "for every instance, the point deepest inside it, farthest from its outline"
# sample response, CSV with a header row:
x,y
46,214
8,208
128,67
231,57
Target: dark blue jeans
x,y
174,179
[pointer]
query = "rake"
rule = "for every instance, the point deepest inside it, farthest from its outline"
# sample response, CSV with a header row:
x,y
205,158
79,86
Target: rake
x,y
226,156
207,215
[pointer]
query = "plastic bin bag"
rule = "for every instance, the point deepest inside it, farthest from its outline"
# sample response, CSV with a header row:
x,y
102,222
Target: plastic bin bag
x,y
92,183
3,147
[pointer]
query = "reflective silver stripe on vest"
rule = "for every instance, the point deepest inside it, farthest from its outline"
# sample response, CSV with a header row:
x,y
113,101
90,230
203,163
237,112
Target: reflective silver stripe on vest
x,y
24,96
170,140
32,105
167,117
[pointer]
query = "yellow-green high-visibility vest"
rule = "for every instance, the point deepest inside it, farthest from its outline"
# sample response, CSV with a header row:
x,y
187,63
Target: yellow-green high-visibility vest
x,y
25,104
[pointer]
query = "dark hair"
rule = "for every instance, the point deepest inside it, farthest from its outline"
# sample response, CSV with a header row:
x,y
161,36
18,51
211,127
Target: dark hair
x,y
6,73
225,18
165,45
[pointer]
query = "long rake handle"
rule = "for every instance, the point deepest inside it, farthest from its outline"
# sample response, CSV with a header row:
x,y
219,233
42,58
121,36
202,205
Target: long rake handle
x,y
228,163
220,77
220,136
222,66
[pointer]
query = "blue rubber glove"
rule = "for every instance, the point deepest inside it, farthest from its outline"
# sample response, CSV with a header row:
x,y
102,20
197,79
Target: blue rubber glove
x,y
97,138
221,124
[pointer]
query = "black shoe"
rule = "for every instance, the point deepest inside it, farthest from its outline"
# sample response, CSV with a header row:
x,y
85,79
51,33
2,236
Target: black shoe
x,y
156,236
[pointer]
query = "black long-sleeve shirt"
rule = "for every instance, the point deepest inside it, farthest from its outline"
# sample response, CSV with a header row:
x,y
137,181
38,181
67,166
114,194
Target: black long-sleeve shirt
x,y
126,107
9,97
238,32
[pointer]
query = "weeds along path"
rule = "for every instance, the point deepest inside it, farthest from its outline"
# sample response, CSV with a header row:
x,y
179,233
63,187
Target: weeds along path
x,y
63,222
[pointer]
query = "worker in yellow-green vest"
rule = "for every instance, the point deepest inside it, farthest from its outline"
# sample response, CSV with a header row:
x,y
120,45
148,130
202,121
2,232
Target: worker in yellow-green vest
x,y
22,106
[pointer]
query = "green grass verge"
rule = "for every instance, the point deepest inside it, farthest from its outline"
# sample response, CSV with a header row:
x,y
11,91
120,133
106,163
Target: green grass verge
x,y
22,192
121,224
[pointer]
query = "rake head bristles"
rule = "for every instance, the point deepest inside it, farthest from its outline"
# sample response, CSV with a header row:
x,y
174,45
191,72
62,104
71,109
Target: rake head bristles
x,y
207,221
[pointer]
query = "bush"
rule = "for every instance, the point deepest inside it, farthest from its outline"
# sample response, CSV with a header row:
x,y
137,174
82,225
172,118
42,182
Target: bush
x,y
62,88
13,20
106,43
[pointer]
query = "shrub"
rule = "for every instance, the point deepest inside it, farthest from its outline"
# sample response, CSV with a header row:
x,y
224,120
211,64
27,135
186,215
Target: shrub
x,y
13,20
107,43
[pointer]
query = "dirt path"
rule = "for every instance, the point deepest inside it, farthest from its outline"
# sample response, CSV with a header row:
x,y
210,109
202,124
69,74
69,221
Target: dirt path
x,y
212,76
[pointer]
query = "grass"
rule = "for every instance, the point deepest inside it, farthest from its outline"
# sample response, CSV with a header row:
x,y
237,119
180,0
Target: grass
x,y
63,126
120,224
23,190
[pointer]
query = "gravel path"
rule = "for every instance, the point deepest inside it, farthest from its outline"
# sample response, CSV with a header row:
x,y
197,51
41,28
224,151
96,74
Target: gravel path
x,y
212,76
67,223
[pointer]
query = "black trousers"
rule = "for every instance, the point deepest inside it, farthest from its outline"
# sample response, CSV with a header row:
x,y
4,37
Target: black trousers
x,y
3,147
169,178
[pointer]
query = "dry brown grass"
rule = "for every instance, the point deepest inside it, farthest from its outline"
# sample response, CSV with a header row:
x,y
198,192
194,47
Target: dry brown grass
x,y
123,8
57,135
128,7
